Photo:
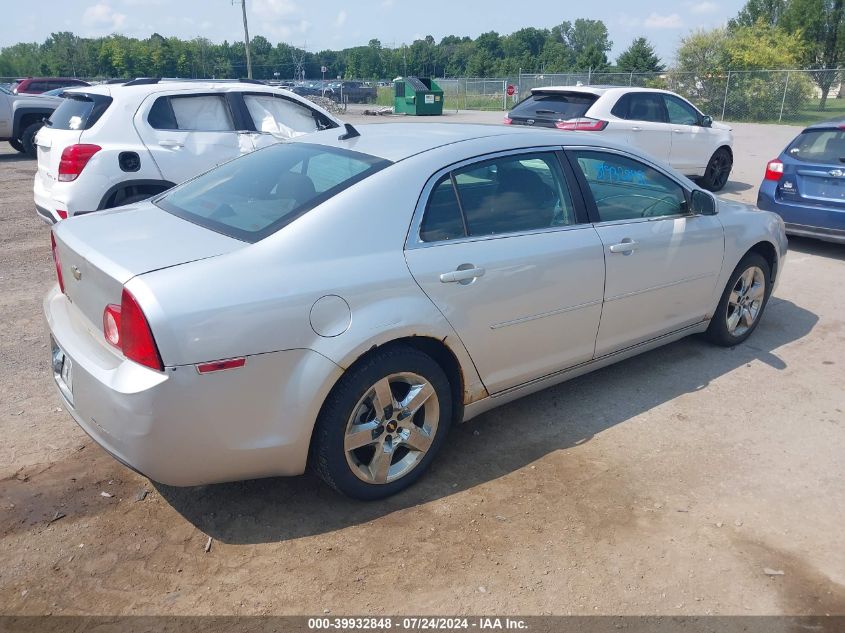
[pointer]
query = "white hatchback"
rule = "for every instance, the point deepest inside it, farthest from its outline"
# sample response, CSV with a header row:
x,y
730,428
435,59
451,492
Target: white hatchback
x,y
658,122
114,144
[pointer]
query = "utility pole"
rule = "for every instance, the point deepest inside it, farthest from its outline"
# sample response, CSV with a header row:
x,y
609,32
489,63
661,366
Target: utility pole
x,y
246,40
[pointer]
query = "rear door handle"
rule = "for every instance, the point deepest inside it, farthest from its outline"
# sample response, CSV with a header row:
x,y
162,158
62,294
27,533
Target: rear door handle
x,y
626,247
461,275
171,143
636,129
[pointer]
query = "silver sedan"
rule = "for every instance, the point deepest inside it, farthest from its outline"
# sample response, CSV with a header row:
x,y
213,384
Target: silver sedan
x,y
340,300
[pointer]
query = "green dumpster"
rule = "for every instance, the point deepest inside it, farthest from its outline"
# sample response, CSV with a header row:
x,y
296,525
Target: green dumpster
x,y
417,96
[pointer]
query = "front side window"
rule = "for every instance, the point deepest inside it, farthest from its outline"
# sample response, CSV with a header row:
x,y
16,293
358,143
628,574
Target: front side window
x,y
680,112
200,113
256,195
511,194
645,106
281,117
626,189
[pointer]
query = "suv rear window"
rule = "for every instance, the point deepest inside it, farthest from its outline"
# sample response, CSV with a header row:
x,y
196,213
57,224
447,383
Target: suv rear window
x,y
78,111
819,146
558,105
258,194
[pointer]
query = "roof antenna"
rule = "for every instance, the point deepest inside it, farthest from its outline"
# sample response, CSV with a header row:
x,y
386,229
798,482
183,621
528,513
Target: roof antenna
x,y
351,132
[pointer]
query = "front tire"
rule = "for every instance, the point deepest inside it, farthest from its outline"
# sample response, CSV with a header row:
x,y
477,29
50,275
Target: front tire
x,y
382,424
743,301
28,139
718,170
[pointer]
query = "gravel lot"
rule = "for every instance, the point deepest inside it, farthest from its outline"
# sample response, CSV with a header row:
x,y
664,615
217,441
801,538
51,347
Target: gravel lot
x,y
672,483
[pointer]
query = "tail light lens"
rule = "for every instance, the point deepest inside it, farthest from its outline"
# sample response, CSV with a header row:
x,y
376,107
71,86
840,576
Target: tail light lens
x,y
62,214
57,261
126,327
583,124
774,170
73,161
508,121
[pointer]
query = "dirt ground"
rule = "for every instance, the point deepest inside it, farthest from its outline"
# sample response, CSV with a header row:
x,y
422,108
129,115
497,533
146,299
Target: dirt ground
x,y
683,481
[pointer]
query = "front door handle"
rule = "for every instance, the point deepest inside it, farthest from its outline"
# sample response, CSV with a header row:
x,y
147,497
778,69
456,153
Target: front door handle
x,y
636,129
626,247
171,143
462,275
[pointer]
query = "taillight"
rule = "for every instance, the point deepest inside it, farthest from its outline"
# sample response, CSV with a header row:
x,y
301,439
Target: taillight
x,y
774,170
62,214
73,161
57,261
582,125
508,121
126,327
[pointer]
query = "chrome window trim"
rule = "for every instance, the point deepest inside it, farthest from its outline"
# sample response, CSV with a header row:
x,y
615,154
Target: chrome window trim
x,y
413,241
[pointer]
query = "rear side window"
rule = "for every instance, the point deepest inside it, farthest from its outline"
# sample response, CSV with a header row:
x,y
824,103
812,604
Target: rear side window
x,y
640,106
525,192
281,116
78,111
258,194
565,105
202,113
819,146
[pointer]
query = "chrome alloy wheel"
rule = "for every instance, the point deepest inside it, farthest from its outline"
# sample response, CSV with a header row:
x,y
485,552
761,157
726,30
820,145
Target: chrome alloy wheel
x,y
746,301
391,428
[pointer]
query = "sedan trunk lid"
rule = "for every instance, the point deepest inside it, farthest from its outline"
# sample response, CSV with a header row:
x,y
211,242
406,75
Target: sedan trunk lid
x,y
102,251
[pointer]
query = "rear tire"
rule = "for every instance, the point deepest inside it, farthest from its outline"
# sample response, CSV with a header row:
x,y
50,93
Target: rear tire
x,y
366,449
16,145
743,301
718,170
28,139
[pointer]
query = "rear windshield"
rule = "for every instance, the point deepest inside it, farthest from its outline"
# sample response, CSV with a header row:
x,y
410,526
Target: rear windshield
x,y
819,146
565,105
257,194
78,111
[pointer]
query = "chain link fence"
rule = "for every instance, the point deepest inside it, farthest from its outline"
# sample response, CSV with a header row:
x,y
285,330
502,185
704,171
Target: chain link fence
x,y
762,96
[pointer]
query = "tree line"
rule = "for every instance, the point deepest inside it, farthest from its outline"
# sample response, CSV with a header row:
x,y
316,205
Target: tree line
x,y
577,45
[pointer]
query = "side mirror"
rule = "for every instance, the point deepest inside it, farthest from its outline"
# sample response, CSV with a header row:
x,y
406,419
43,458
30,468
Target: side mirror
x,y
706,121
703,203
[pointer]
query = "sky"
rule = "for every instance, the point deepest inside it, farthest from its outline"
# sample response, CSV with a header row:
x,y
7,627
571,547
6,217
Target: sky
x,y
333,24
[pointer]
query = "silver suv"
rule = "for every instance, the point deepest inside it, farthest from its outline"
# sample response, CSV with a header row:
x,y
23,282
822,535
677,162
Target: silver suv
x,y
21,116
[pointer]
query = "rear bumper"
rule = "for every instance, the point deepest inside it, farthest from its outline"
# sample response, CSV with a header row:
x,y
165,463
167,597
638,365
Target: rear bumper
x,y
824,223
180,428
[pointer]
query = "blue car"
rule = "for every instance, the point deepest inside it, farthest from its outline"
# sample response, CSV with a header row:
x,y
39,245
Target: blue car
x,y
805,185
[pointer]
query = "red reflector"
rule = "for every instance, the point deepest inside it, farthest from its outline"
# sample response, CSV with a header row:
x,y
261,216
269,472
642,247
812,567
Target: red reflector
x,y
774,170
220,365
73,161
136,338
582,125
57,261
508,121
62,214
111,324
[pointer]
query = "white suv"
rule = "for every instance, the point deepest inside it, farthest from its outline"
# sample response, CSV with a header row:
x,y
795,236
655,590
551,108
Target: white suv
x,y
658,122
110,145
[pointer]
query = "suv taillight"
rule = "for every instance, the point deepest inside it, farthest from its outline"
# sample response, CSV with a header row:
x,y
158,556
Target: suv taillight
x,y
57,261
126,327
73,161
774,170
583,124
